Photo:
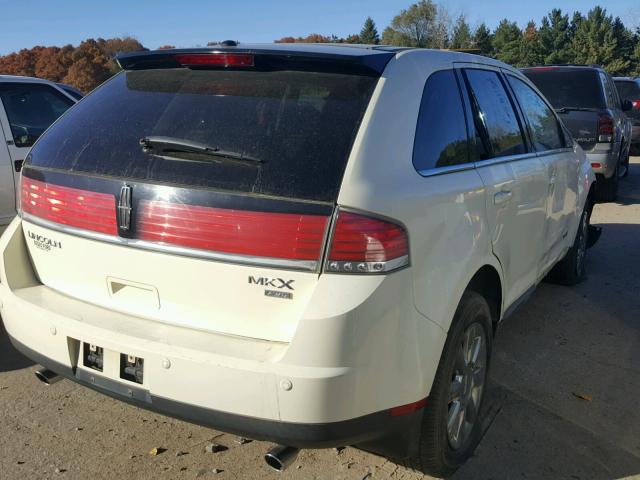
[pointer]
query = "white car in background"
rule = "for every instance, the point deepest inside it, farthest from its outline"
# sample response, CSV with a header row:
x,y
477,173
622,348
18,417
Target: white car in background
x,y
28,106
306,244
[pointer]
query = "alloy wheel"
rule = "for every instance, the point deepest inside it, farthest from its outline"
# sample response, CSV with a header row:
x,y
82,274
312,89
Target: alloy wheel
x,y
467,385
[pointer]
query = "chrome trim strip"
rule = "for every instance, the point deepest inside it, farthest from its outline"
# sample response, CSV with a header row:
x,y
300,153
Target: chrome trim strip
x,y
555,151
432,172
248,260
332,266
507,159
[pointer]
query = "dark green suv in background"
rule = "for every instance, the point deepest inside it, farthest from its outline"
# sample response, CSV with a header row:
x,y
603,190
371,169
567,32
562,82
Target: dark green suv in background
x,y
629,89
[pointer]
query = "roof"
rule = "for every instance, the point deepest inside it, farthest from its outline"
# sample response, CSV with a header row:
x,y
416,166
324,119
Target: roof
x,y
21,79
626,79
568,66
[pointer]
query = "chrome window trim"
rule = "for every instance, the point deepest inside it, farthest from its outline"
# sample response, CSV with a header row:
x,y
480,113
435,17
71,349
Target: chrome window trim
x,y
555,151
432,172
247,260
505,159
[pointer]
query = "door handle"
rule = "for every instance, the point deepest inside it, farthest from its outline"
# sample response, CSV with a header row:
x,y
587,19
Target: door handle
x,y
502,197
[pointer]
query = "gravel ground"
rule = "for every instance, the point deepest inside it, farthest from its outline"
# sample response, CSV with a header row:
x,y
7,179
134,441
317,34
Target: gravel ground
x,y
565,388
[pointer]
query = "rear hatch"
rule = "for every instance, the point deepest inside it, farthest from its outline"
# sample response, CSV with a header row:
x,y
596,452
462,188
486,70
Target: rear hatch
x,y
198,188
630,90
577,97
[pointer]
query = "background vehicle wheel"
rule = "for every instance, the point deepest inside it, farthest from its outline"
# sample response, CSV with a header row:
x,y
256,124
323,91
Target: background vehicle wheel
x,y
607,188
571,270
451,427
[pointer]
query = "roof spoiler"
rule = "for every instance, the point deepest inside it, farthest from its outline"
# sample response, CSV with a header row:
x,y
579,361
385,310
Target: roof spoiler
x,y
264,60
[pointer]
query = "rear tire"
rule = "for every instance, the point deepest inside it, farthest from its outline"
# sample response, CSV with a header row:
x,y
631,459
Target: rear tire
x,y
451,426
571,270
624,164
607,188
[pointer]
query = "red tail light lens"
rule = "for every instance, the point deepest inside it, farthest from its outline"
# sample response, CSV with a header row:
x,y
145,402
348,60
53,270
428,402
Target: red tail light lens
x,y
215,59
363,244
69,206
276,235
605,128
636,104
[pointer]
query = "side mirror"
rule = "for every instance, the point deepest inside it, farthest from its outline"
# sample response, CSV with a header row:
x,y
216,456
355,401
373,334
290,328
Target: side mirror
x,y
628,105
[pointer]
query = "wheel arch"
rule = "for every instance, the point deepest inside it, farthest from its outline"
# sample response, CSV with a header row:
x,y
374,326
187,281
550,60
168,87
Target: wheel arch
x,y
488,283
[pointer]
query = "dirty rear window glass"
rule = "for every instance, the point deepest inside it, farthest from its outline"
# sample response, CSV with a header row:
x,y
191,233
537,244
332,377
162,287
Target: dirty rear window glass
x,y
569,88
299,124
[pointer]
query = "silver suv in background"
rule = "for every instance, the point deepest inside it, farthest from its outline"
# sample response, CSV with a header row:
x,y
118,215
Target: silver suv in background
x,y
587,101
28,106
629,89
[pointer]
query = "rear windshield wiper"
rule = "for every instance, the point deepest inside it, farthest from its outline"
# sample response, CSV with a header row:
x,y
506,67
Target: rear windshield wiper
x,y
576,109
194,151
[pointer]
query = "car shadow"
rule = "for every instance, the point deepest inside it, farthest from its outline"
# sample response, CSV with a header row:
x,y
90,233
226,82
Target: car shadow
x,y
10,358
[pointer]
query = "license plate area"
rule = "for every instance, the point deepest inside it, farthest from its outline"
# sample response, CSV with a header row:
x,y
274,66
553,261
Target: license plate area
x,y
132,368
93,357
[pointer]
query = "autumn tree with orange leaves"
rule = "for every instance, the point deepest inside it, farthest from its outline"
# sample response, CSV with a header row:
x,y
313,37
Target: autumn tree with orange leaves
x,y
84,67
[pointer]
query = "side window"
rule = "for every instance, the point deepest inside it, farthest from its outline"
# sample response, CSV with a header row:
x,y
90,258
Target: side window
x,y
31,108
441,133
609,92
494,114
546,132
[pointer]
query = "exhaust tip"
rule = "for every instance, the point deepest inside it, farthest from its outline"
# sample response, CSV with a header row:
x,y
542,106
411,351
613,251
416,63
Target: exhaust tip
x,y
280,457
47,377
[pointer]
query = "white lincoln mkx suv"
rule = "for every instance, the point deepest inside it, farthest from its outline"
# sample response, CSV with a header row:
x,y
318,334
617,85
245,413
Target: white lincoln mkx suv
x,y
311,245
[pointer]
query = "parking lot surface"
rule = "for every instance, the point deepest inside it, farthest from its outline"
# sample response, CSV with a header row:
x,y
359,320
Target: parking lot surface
x,y
565,384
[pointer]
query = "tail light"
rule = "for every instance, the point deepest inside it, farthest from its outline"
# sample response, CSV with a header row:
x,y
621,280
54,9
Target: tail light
x,y
364,244
69,206
275,235
636,104
605,128
215,59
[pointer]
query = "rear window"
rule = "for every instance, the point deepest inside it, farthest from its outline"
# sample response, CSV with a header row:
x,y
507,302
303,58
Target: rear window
x,y
628,90
569,88
300,125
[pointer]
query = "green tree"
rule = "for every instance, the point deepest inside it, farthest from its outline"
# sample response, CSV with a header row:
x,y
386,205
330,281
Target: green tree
x,y
461,37
506,42
595,42
530,47
369,32
555,38
413,27
483,40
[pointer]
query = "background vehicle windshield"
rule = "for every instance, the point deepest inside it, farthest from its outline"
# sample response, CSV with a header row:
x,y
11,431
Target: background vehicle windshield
x,y
568,88
300,124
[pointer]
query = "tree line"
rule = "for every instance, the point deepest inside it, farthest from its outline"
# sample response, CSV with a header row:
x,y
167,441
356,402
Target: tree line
x,y
592,38
595,37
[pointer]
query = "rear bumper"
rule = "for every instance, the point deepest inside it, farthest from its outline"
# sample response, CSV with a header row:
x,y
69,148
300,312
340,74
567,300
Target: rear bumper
x,y
328,387
369,430
603,159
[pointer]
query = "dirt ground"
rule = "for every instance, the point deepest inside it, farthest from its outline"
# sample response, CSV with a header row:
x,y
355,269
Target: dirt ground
x,y
565,389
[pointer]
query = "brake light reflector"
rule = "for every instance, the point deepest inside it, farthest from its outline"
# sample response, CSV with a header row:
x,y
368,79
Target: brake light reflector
x,y
264,234
605,128
215,59
69,206
364,244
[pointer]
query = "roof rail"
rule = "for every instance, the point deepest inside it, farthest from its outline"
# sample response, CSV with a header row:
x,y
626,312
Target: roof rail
x,y
593,65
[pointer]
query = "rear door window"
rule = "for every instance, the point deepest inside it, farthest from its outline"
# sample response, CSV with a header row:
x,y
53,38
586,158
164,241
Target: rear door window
x,y
494,113
31,108
441,133
545,129
298,125
568,88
